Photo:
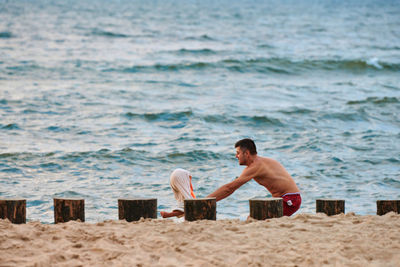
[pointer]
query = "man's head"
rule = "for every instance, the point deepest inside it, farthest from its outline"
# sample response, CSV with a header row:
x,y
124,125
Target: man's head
x,y
245,149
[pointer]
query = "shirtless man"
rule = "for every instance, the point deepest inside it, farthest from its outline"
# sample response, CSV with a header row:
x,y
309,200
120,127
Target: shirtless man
x,y
265,171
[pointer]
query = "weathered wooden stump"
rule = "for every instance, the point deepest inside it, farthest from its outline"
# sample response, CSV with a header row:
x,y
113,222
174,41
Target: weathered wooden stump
x,y
200,209
266,208
13,209
385,206
67,209
330,206
134,209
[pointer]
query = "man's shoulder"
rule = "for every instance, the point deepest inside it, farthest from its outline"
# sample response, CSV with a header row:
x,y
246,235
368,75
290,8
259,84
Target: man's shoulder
x,y
266,159
258,163
267,162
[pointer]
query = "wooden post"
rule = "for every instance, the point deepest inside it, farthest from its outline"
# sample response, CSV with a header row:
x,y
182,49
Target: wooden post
x,y
13,209
330,206
385,206
266,208
66,209
200,209
134,209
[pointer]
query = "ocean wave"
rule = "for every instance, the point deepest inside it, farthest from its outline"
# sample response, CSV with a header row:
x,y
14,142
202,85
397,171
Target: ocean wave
x,y
210,118
5,101
162,116
393,160
265,120
360,148
128,156
260,65
33,203
57,129
266,46
391,182
56,159
375,100
194,156
346,116
296,111
203,37
355,65
72,194
103,154
11,170
385,48
163,67
204,51
218,119
267,65
103,33
6,35
24,156
24,66
10,126
51,166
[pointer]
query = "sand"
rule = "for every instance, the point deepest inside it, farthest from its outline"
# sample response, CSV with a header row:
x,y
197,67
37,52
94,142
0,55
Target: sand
x,y
301,240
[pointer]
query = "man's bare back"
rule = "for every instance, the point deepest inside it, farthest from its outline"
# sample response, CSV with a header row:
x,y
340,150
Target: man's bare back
x,y
272,175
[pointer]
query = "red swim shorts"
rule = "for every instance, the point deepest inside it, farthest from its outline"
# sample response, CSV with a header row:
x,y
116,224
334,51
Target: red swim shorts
x,y
291,203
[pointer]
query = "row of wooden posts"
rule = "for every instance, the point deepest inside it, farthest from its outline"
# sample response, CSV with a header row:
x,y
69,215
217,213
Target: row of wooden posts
x,y
66,209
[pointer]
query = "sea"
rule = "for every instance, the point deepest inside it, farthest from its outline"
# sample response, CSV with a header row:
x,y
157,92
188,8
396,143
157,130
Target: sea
x,y
103,99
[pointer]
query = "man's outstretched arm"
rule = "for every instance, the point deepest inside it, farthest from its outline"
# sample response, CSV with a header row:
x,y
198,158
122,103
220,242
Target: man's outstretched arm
x,y
227,189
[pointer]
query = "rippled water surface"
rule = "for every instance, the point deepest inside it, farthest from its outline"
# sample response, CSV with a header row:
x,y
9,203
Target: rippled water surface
x,y
103,99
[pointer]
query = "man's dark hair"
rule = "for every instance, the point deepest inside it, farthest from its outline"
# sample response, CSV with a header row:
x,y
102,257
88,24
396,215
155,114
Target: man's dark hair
x,y
247,144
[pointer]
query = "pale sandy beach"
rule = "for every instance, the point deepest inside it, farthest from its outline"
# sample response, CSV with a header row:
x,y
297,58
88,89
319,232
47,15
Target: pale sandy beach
x,y
301,240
